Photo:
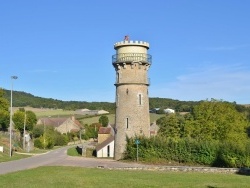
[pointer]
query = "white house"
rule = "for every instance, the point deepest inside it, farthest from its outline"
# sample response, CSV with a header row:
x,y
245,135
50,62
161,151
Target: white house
x,y
169,110
106,148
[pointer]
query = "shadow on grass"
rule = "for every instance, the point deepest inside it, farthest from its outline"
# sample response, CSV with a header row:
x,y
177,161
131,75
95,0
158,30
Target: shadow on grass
x,y
244,171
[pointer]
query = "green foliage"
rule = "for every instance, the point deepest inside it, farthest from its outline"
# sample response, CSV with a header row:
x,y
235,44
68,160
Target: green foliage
x,y
23,99
19,120
4,112
4,104
38,143
37,131
45,141
171,126
104,120
61,140
209,120
216,120
91,131
4,119
189,151
49,138
214,133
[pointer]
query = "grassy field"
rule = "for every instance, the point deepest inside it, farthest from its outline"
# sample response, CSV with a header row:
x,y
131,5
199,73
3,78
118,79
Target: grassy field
x,y
43,112
46,112
94,119
87,177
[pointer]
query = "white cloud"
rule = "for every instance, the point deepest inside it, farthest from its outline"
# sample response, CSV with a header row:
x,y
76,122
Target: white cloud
x,y
229,83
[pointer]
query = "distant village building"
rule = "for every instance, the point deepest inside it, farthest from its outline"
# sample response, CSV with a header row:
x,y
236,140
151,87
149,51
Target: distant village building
x,y
90,112
169,111
154,110
61,124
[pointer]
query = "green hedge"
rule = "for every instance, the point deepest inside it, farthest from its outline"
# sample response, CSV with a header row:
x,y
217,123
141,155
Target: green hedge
x,y
190,151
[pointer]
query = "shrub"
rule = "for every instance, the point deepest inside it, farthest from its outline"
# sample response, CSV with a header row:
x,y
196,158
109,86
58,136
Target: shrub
x,y
38,144
212,153
61,140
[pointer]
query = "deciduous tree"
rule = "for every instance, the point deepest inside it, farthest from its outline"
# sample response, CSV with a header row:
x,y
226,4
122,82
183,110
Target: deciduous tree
x,y
4,112
104,120
19,120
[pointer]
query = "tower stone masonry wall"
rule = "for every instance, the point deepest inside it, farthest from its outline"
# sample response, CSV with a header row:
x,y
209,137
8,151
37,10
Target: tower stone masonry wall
x,y
132,103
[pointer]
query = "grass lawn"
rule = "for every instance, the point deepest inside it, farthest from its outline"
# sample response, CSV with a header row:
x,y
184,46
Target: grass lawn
x,y
6,157
95,119
88,177
88,120
73,152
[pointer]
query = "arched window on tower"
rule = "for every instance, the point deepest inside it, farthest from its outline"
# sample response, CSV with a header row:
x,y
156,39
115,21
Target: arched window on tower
x,y
140,99
117,77
127,123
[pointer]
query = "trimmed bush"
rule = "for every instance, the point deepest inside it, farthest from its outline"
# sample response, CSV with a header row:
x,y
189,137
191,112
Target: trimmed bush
x,y
191,151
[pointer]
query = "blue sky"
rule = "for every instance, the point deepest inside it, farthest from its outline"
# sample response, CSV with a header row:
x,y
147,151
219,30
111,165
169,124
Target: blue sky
x,y
62,49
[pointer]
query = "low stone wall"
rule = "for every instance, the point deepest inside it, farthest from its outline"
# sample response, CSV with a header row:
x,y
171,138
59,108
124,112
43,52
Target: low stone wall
x,y
244,171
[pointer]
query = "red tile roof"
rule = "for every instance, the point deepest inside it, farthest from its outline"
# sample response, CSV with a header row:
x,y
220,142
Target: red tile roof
x,y
104,130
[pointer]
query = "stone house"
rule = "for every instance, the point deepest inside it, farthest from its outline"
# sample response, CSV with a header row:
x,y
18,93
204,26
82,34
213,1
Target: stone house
x,y
104,133
63,125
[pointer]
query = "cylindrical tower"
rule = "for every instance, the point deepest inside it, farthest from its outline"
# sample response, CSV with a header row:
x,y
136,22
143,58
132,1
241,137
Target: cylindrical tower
x,y
131,63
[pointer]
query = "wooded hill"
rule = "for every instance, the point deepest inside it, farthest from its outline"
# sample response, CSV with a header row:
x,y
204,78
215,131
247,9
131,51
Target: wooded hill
x,y
23,99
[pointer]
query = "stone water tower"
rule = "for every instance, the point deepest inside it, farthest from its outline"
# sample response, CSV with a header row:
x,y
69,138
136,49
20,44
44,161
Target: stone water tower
x,y
131,63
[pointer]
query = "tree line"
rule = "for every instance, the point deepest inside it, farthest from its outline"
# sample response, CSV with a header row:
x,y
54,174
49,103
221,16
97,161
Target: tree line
x,y
23,99
214,133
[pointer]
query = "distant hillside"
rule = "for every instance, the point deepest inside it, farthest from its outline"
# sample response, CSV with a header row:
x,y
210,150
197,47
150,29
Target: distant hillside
x,y
23,99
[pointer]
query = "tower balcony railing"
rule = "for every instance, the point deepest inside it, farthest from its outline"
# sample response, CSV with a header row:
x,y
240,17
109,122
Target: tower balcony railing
x,y
130,57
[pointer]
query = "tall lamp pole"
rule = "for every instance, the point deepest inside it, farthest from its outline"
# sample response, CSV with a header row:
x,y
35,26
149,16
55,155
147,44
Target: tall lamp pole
x,y
24,129
12,78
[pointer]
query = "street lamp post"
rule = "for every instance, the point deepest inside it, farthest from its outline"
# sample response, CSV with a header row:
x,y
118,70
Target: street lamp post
x,y
24,129
10,128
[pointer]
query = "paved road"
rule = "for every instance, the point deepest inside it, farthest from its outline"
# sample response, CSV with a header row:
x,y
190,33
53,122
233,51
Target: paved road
x,y
59,157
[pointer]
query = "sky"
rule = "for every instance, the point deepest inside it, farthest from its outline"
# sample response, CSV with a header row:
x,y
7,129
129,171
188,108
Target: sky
x,y
62,49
